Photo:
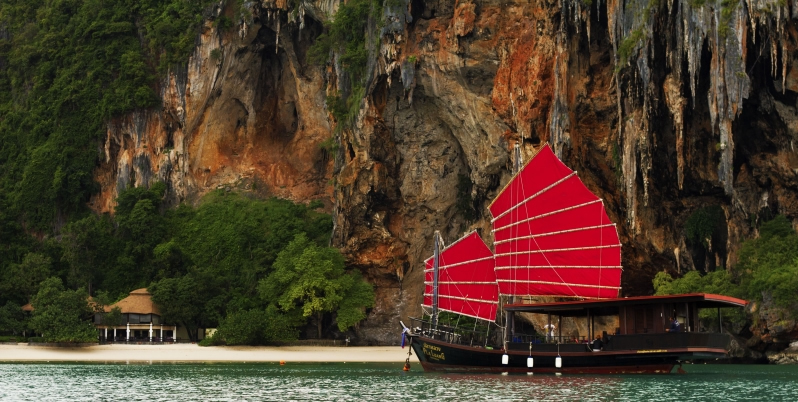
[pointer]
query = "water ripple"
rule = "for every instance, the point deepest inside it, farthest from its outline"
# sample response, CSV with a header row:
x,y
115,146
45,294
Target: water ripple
x,y
42,382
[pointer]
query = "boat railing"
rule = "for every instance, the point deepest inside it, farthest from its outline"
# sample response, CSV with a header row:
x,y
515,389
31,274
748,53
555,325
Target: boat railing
x,y
457,335
553,339
485,337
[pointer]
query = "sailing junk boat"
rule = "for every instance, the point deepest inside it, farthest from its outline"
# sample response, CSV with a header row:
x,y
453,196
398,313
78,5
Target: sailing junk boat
x,y
553,238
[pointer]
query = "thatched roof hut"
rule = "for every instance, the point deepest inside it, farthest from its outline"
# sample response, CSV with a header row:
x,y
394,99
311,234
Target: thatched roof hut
x,y
139,302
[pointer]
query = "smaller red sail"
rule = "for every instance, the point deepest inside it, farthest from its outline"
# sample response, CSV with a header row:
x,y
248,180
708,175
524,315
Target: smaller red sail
x,y
466,279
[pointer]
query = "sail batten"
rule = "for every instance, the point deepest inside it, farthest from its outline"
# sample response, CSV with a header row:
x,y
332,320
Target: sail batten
x,y
582,285
612,225
533,196
462,263
501,267
554,250
464,298
545,215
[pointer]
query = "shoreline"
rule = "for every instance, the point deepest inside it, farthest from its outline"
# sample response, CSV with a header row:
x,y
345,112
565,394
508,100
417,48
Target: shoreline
x,y
192,353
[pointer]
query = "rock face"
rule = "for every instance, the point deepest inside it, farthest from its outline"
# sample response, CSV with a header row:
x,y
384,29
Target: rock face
x,y
787,356
774,329
245,113
662,107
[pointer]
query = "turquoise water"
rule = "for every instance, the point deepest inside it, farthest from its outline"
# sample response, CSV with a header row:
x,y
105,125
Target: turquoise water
x,y
378,381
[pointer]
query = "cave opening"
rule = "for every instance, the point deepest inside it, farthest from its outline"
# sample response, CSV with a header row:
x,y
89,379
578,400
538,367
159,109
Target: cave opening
x,y
418,10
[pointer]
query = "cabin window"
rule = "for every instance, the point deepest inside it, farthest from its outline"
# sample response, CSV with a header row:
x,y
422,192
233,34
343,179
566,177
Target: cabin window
x,y
133,318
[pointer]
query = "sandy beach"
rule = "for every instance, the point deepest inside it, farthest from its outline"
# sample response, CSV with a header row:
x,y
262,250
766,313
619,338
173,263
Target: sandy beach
x,y
194,353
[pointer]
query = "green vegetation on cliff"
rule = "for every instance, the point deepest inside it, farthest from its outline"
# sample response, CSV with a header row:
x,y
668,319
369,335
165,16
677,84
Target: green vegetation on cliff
x,y
345,40
767,268
66,68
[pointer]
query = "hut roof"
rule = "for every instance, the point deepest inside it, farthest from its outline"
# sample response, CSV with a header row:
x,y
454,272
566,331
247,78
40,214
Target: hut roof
x,y
139,302
29,307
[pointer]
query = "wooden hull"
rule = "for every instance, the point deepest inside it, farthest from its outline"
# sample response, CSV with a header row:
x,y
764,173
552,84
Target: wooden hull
x,y
437,355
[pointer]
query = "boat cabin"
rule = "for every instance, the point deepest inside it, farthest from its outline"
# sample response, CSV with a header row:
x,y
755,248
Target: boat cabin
x,y
639,322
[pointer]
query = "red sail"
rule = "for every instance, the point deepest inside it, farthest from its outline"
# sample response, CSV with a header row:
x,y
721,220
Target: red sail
x,y
552,236
466,279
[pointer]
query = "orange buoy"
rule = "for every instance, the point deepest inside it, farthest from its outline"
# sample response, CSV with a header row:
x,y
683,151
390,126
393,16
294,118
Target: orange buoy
x,y
406,367
282,362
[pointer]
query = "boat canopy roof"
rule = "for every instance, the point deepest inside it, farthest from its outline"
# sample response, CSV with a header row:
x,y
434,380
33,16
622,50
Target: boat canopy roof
x,y
610,306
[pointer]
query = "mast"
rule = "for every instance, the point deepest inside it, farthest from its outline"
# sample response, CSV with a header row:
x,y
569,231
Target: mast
x,y
516,169
435,266
509,318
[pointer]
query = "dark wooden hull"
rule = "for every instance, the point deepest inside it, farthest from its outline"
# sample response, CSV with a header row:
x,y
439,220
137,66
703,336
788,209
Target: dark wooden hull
x,y
437,355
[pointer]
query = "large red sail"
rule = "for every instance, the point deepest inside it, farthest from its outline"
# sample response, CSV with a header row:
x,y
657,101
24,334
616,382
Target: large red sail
x,y
466,279
552,236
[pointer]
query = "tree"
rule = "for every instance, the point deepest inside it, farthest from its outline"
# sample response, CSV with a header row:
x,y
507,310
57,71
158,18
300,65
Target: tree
x,y
23,279
181,300
169,260
62,315
88,247
768,266
352,309
14,244
12,318
257,327
313,279
113,318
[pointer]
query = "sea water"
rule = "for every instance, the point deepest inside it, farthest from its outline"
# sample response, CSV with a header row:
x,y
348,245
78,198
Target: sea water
x,y
378,382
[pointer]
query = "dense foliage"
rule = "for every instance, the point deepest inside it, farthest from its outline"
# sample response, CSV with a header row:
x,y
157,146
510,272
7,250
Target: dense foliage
x,y
66,67
220,264
256,327
313,279
61,315
767,268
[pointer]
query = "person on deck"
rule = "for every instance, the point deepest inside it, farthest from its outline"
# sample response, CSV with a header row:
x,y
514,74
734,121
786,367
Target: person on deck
x,y
675,327
549,332
597,344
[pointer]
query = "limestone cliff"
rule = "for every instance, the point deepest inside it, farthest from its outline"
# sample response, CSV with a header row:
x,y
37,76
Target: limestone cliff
x,y
663,107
